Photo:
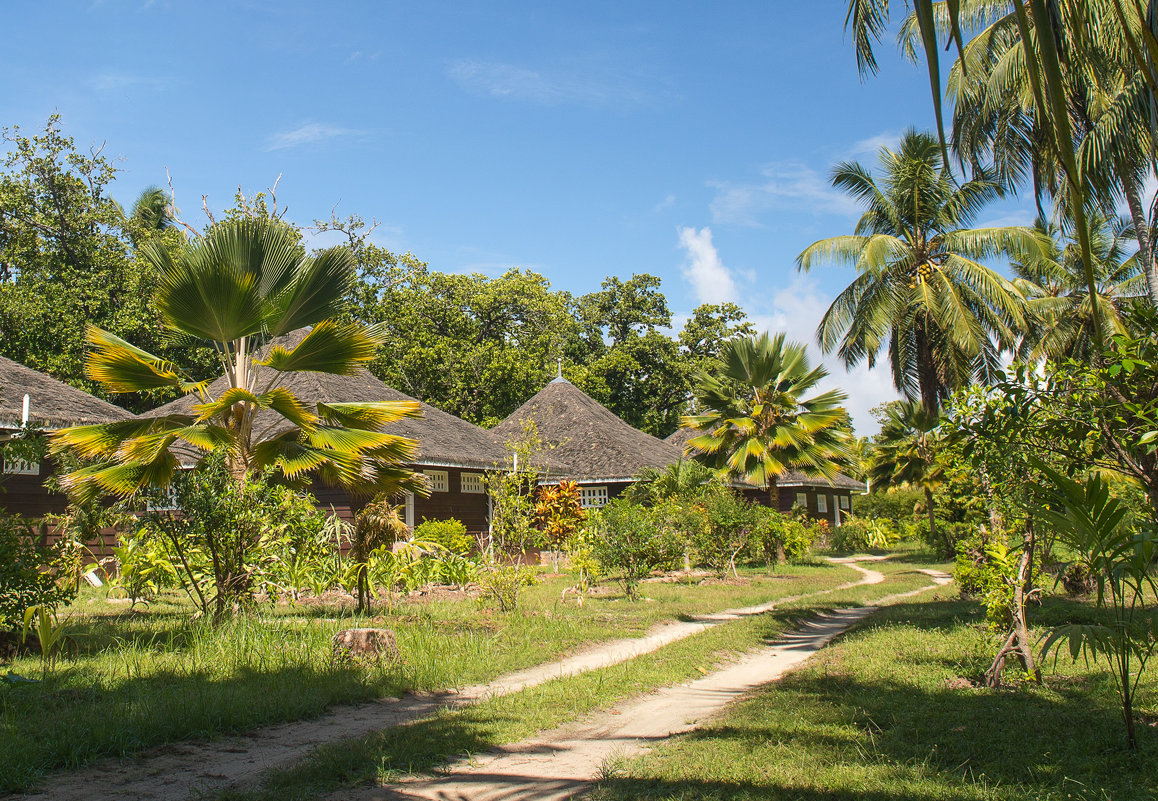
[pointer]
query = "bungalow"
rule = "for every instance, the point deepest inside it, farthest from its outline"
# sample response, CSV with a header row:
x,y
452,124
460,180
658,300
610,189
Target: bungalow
x,y
589,444
33,400
821,498
452,453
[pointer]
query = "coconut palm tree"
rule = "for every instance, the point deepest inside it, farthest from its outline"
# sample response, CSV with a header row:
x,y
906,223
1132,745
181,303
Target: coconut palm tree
x,y
153,209
905,455
1054,283
241,285
921,289
756,422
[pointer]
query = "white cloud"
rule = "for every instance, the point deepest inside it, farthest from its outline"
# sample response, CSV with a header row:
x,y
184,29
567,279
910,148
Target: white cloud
x,y
710,279
789,185
510,82
668,202
796,310
307,133
871,145
113,80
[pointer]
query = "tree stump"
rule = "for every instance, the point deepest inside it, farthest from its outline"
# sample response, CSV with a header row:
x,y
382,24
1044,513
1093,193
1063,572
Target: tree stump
x,y
365,644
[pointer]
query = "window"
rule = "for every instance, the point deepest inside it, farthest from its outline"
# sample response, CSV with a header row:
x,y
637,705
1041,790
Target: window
x,y
472,483
844,502
802,500
408,515
593,497
439,480
821,503
167,502
21,467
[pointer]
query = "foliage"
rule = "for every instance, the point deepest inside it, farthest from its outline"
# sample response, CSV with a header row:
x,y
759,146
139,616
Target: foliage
x,y
51,634
630,541
728,524
986,568
246,282
756,423
906,456
31,575
226,537
686,478
502,583
144,567
377,526
895,504
860,534
449,534
922,289
512,494
1119,557
581,556
559,513
776,536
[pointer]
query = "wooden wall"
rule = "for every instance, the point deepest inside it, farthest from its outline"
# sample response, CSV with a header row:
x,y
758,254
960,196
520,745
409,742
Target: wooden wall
x,y
788,500
26,495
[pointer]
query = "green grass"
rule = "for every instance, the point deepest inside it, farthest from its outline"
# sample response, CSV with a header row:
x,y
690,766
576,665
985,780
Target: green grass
x,y
883,715
426,744
134,681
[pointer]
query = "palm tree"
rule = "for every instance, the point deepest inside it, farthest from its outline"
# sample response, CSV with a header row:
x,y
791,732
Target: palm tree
x,y
378,524
244,283
757,423
906,455
153,209
920,288
1054,283
682,478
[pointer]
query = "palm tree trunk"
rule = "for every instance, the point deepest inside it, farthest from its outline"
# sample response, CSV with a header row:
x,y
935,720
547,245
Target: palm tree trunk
x,y
933,522
774,497
1142,232
927,378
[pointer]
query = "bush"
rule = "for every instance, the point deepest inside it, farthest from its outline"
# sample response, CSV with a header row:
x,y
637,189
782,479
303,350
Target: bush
x,y
895,505
450,534
630,541
858,534
725,531
776,534
502,584
30,574
143,567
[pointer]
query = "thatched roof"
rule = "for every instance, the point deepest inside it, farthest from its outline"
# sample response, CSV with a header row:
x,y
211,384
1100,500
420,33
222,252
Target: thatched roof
x,y
589,442
794,478
443,439
51,403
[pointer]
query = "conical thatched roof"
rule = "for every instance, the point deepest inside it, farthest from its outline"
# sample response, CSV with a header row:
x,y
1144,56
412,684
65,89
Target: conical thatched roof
x,y
679,438
51,403
443,439
589,442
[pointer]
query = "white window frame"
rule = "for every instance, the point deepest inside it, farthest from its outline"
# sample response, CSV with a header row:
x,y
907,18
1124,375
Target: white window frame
x,y
408,517
169,504
593,497
802,500
821,503
471,483
843,503
439,480
21,467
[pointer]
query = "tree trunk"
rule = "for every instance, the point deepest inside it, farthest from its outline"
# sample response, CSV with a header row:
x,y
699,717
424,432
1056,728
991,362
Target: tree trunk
x,y
1128,704
1017,640
929,509
1142,232
927,378
774,497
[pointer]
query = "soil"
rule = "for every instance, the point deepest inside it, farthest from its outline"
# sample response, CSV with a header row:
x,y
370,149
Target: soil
x,y
192,769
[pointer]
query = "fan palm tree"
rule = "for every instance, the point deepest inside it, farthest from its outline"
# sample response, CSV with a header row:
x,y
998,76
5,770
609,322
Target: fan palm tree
x,y
757,423
1054,283
921,288
378,524
244,283
906,455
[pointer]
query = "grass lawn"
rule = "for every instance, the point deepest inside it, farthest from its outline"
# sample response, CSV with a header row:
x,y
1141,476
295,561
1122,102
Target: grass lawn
x,y
132,681
427,744
884,715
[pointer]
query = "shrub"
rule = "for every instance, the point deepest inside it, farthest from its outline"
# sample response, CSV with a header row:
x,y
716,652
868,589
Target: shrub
x,y
896,504
726,529
143,567
450,534
502,584
31,575
777,535
630,541
857,534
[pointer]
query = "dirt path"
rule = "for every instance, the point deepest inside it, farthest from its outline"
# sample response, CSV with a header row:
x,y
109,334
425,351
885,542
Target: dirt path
x,y
187,770
562,763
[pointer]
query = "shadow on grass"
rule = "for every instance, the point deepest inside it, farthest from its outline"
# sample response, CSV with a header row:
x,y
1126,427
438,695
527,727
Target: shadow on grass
x,y
612,789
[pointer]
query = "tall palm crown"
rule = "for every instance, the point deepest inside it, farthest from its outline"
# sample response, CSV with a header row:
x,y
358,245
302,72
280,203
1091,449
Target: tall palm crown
x,y
757,423
242,284
921,288
1054,281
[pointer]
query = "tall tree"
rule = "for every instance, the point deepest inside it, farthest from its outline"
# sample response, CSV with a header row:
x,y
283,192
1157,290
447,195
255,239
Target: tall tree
x,y
921,287
245,282
1054,283
758,422
905,455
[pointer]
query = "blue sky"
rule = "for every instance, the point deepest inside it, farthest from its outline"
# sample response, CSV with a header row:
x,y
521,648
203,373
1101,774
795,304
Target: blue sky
x,y
687,140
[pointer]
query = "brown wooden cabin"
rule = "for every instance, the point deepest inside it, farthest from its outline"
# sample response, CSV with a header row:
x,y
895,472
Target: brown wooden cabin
x,y
588,444
452,453
51,405
821,498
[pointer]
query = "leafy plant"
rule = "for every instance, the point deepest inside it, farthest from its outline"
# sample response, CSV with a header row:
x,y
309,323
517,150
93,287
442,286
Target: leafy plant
x,y
379,524
143,567
857,534
31,575
725,531
502,583
1119,557
450,534
630,541
51,634
558,514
